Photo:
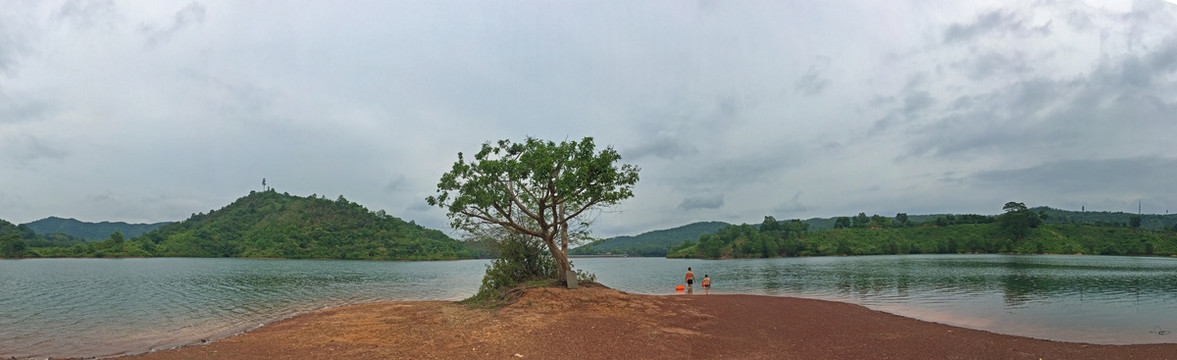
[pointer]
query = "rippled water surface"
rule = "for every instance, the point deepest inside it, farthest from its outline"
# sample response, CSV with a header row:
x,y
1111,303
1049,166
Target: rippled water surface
x,y
1093,299
96,307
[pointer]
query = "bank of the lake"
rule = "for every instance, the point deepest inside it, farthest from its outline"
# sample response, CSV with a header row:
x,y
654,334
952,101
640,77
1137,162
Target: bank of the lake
x,y
598,323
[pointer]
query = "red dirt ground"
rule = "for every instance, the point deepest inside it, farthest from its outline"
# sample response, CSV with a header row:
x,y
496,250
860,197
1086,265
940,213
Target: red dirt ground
x,y
595,322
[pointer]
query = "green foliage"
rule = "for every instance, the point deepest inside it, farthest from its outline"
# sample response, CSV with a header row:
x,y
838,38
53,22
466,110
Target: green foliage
x,y
901,220
21,231
841,222
653,243
14,240
11,246
90,231
537,188
1152,222
951,239
521,262
55,240
860,220
521,259
269,224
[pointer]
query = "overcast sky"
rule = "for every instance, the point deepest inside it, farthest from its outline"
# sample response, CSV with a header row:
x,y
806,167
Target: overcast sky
x,y
146,111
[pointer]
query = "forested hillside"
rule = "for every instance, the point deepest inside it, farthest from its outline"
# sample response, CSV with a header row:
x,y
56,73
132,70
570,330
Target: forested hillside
x,y
653,243
270,224
88,230
1020,230
15,240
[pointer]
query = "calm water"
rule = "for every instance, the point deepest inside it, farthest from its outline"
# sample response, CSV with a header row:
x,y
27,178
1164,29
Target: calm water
x,y
95,307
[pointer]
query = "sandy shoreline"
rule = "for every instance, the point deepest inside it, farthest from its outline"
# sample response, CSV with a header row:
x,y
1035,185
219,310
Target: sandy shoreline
x,y
601,323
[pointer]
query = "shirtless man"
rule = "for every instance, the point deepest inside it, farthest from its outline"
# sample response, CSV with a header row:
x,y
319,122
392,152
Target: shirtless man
x,y
690,279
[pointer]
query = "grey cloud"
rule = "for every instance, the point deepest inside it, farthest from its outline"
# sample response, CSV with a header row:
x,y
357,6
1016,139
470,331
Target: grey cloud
x,y
993,63
16,35
882,124
993,23
87,15
726,172
1116,101
1141,175
9,50
917,102
28,148
664,135
192,14
878,101
102,197
793,206
422,206
15,109
812,82
665,147
702,202
1139,71
395,184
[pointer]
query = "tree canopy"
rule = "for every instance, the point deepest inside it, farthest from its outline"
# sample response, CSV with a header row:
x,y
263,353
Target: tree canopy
x,y
536,188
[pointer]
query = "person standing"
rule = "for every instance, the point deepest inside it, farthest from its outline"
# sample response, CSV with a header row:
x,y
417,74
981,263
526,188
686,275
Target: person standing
x,y
690,279
706,284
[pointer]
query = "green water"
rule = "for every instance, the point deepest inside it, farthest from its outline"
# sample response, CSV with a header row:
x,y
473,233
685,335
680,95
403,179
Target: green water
x,y
98,307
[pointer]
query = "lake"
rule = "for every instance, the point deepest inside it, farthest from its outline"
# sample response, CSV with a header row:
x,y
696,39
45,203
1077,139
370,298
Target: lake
x,y
99,307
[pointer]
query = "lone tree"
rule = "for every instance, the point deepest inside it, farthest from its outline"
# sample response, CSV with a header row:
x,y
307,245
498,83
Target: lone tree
x,y
536,188
1018,220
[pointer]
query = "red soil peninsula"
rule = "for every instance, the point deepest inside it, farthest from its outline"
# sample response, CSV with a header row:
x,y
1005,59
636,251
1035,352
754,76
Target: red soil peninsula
x,y
595,322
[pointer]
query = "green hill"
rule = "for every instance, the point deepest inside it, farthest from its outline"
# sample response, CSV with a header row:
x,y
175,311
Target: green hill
x,y
653,243
88,230
742,241
16,239
21,231
269,224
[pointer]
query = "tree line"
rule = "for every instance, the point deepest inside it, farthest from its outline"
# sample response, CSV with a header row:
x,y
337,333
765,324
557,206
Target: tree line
x,y
1018,230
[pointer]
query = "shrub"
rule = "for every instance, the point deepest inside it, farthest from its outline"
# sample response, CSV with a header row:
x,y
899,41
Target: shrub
x,y
521,259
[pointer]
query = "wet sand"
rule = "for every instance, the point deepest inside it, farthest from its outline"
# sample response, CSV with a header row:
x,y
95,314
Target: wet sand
x,y
595,322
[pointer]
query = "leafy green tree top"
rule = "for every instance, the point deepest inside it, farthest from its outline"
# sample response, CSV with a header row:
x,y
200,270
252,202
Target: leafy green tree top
x,y
1018,220
536,187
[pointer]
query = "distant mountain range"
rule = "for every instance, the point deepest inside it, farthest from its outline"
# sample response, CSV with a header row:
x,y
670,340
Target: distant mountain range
x,y
658,242
88,230
653,243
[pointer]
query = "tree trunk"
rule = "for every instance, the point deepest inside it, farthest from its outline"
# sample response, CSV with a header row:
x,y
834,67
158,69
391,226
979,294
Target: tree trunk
x,y
565,264
562,263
